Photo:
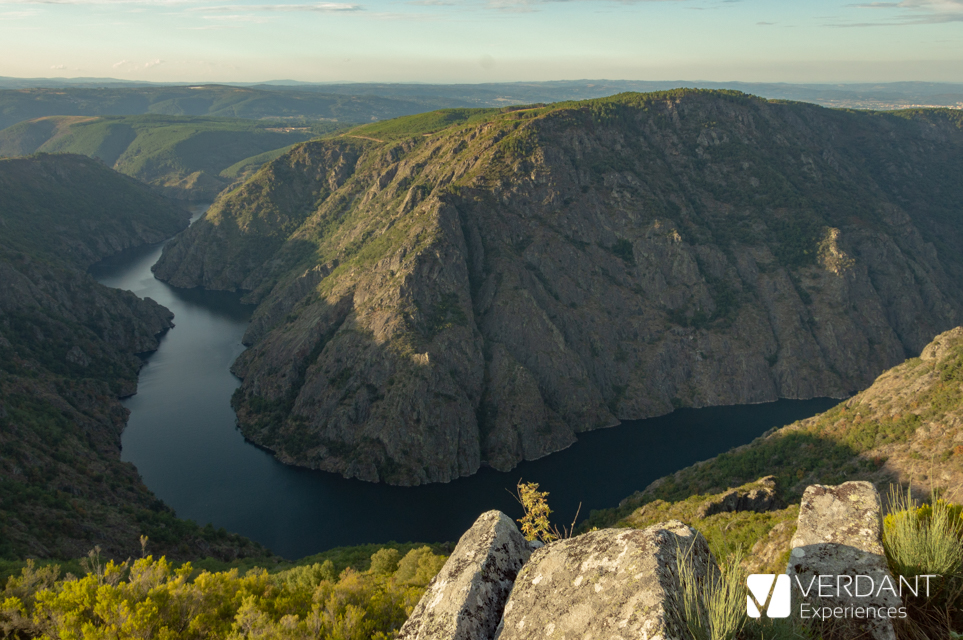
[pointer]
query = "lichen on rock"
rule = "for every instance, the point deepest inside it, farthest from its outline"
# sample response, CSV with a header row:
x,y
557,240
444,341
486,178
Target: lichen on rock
x,y
617,584
465,600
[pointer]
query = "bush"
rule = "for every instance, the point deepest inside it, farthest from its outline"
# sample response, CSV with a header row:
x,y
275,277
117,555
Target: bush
x,y
385,561
926,540
151,599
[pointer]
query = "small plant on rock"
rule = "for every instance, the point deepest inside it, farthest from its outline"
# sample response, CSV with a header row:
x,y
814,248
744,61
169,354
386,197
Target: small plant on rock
x,y
535,522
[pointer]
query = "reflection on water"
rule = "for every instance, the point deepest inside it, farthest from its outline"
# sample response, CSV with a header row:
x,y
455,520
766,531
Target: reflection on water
x,y
183,440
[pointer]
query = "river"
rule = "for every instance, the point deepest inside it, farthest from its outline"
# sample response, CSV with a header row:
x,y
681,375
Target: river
x,y
183,439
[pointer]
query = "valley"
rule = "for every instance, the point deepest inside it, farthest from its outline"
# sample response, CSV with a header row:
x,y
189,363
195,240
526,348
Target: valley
x,y
182,437
68,351
474,287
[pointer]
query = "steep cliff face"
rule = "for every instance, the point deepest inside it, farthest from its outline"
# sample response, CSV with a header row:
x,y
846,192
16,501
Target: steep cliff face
x,y
437,297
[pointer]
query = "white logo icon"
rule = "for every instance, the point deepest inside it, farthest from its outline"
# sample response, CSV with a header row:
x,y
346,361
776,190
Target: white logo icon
x,y
769,593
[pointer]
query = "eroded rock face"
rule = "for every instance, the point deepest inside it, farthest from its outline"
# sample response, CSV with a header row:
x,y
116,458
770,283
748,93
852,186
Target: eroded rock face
x,y
760,498
465,600
613,584
839,533
496,288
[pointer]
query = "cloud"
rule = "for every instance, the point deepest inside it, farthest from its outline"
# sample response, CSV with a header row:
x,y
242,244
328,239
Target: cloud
x,y
765,24
118,65
152,63
59,67
321,7
529,5
911,12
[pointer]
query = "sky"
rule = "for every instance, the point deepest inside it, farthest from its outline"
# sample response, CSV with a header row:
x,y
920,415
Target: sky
x,y
472,41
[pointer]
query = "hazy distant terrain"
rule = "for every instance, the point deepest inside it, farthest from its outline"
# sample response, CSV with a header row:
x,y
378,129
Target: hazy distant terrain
x,y
896,95
17,105
183,156
363,102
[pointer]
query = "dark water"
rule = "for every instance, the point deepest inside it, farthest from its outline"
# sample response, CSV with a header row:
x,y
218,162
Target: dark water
x,y
183,439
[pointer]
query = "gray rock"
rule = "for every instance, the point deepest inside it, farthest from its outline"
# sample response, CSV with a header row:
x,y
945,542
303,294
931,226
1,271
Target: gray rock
x,y
465,600
612,584
839,533
760,499
78,357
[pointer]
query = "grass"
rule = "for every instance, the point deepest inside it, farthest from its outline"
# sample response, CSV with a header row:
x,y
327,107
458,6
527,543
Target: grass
x,y
918,540
421,124
927,540
713,606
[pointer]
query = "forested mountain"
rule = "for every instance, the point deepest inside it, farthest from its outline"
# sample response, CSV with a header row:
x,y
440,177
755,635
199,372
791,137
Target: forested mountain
x,y
478,286
181,156
68,350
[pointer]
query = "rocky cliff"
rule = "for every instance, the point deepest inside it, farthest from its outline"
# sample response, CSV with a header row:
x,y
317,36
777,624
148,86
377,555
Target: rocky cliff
x,y
471,287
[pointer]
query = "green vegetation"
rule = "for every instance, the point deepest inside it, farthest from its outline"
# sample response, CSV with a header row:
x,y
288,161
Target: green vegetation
x,y
712,607
535,522
831,448
247,166
927,540
294,107
729,534
421,124
67,348
188,157
157,599
69,219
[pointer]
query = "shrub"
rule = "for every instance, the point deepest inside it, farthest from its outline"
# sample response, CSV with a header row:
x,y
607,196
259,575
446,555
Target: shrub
x,y
926,540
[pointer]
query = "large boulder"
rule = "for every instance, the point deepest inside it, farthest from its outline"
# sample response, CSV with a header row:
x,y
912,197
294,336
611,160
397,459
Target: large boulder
x,y
839,533
465,600
614,584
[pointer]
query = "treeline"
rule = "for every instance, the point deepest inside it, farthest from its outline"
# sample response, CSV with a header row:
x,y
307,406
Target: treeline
x,y
151,598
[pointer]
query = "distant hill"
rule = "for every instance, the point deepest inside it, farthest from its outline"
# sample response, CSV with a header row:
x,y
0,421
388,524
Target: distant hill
x,y
68,350
386,100
479,286
182,156
884,96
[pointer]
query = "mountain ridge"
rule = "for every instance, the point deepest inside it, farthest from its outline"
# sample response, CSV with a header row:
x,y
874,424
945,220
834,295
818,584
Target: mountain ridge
x,y
474,286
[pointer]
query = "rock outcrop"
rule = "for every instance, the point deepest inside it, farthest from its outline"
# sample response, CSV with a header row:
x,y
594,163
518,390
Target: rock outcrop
x,y
760,498
618,584
839,533
622,584
500,285
466,599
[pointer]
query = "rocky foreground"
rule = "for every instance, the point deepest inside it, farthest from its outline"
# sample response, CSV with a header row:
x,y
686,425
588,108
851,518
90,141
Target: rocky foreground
x,y
626,584
477,287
